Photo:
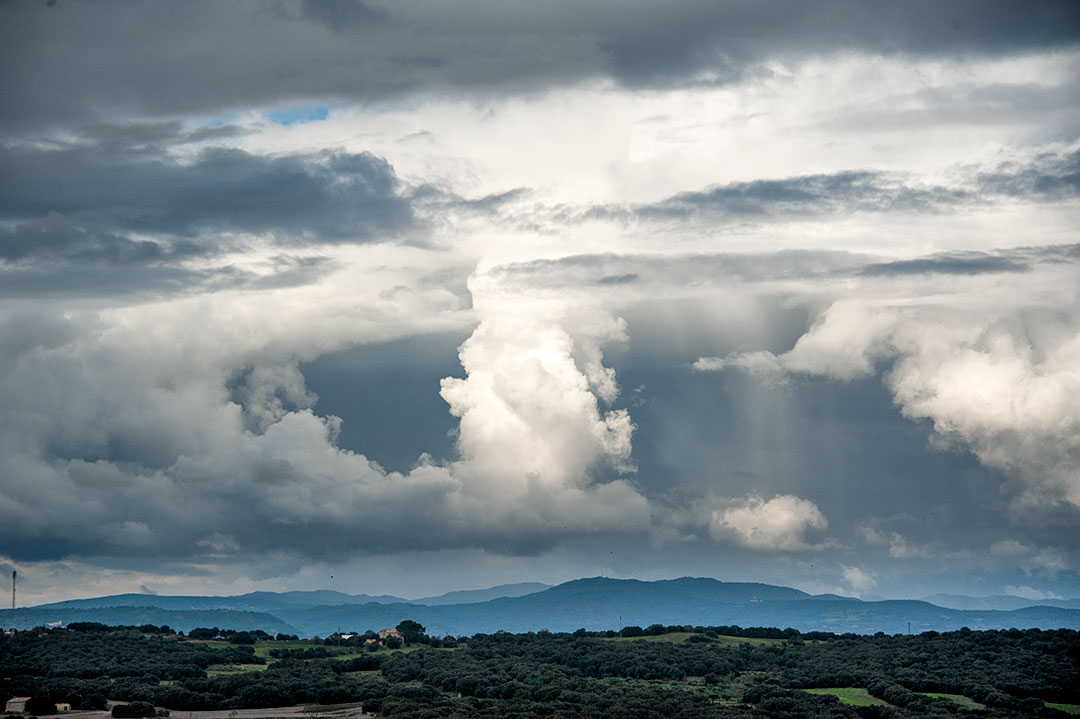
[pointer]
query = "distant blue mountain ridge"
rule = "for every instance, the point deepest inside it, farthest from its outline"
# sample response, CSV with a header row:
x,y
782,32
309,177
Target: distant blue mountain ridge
x,y
594,604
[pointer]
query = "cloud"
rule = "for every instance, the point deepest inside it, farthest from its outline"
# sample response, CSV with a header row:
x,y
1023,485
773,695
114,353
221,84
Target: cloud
x,y
993,370
81,198
900,547
252,57
779,524
1008,548
1031,559
860,579
158,442
1049,176
1027,592
850,191
529,406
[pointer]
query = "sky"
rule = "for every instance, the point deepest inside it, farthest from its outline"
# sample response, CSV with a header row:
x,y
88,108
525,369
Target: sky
x,y
420,296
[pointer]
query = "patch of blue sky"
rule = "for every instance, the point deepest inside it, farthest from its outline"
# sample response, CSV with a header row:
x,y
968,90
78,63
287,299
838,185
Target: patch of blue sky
x,y
302,113
226,118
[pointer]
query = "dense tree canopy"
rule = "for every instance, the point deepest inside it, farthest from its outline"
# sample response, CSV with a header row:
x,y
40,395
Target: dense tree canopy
x,y
638,672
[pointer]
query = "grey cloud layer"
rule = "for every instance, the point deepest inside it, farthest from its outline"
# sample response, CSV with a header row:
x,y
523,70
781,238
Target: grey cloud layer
x,y
117,211
1047,176
299,199
718,269
73,59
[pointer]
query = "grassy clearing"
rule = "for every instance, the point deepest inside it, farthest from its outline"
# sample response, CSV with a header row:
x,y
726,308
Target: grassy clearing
x,y
1067,708
217,670
855,696
676,637
956,699
673,637
736,641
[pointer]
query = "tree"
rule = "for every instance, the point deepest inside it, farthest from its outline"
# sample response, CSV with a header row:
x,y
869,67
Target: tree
x,y
40,704
412,631
135,710
203,633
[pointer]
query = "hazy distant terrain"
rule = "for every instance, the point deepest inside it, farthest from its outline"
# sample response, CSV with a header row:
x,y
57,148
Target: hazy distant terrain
x,y
1004,602
594,604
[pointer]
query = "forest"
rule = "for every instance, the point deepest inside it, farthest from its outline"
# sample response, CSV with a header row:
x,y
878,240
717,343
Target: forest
x,y
658,671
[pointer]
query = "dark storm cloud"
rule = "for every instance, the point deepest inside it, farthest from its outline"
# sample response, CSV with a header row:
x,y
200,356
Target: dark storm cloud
x,y
300,199
74,61
111,211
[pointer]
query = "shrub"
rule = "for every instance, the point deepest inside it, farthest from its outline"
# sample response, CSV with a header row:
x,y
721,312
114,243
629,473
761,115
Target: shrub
x,y
134,710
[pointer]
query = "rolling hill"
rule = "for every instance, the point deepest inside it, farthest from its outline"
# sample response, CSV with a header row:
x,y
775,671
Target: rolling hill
x,y
593,604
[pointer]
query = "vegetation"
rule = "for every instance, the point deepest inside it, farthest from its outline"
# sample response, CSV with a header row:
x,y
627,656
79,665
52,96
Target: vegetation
x,y
669,671
956,699
855,696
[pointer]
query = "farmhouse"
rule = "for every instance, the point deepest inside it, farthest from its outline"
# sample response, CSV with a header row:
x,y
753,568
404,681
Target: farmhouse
x,y
17,704
384,634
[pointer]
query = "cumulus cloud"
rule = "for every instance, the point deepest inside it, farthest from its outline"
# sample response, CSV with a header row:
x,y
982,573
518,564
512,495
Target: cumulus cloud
x,y
527,409
206,445
861,580
989,365
782,523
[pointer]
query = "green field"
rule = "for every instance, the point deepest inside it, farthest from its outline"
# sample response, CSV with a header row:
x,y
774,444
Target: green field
x,y
855,696
956,699
675,637
1067,708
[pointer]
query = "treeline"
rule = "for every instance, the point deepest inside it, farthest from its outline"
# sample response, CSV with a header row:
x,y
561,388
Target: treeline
x,y
649,672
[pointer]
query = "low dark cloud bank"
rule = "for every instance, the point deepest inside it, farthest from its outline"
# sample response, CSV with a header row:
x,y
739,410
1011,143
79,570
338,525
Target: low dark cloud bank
x,y
300,199
72,62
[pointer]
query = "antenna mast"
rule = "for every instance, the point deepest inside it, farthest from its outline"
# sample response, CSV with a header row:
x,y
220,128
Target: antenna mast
x,y
13,573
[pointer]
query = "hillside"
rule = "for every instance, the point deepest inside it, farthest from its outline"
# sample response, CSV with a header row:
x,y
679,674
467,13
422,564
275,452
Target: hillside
x,y
179,619
594,604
